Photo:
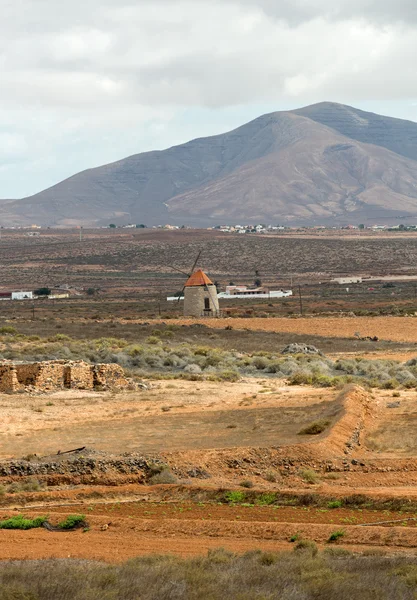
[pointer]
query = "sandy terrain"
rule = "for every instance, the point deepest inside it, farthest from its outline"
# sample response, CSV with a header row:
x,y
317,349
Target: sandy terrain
x,y
175,415
400,329
234,432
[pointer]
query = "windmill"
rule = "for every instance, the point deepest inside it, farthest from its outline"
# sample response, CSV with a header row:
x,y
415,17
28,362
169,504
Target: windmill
x,y
200,293
187,274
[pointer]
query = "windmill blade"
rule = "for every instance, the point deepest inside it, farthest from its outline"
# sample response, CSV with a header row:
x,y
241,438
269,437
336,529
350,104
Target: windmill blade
x,y
178,270
195,262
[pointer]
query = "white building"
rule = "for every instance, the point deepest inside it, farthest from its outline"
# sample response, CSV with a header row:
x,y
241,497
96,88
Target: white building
x,y
345,280
242,291
22,295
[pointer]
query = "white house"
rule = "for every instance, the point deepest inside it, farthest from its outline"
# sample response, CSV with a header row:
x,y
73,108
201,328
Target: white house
x,y
22,295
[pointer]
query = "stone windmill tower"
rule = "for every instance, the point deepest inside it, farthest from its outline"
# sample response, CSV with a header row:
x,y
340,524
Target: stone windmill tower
x,y
200,296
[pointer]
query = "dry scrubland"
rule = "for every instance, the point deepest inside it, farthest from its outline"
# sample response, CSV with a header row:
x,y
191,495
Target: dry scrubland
x,y
301,575
137,259
231,443
161,355
238,448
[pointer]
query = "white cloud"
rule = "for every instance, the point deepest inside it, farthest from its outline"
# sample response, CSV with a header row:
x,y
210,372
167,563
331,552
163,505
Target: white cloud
x,y
92,81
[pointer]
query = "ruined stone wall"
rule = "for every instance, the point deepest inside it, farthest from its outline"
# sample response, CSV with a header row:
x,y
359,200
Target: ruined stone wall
x,y
79,376
109,376
8,378
49,375
57,375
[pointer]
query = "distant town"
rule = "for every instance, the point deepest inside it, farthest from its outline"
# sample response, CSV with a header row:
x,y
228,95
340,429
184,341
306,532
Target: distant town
x,y
34,230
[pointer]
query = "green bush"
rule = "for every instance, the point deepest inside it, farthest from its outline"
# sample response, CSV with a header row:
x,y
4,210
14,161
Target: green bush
x,y
21,522
335,535
334,504
234,497
72,522
266,499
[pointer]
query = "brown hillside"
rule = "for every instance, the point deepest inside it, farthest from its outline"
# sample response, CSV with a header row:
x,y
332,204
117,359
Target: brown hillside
x,y
324,163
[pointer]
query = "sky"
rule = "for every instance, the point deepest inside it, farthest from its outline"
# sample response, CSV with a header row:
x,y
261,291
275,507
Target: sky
x,y
88,82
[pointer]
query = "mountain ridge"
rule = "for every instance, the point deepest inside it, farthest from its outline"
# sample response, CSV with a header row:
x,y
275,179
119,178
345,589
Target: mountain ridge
x,y
324,163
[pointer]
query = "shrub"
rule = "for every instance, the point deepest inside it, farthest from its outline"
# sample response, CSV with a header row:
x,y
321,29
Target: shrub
x,y
315,428
391,384
324,380
335,535
73,522
234,497
309,476
300,378
260,363
231,376
20,522
31,485
166,476
135,350
334,504
272,476
8,330
266,499
246,483
268,558
306,546
61,337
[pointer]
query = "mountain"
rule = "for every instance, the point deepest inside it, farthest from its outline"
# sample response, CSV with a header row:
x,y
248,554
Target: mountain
x,y
325,163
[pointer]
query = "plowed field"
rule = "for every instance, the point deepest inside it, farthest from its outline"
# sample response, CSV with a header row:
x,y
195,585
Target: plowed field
x,y
119,531
399,329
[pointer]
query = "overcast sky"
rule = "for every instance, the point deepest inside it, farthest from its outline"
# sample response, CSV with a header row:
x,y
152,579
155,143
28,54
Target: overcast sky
x,y
87,82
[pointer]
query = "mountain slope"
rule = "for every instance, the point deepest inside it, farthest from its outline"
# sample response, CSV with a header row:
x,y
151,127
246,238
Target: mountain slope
x,y
397,135
323,163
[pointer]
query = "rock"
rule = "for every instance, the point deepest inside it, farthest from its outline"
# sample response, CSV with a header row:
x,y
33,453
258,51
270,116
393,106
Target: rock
x,y
296,348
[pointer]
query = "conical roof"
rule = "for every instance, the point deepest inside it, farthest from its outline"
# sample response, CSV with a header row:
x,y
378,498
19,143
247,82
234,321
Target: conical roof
x,y
198,278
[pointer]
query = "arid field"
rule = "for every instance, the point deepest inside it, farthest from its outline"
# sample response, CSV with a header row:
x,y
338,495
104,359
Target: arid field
x,y
223,439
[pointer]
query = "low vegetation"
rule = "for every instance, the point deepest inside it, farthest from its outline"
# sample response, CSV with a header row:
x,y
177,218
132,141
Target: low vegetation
x,y
309,476
161,357
315,428
21,522
72,522
303,574
335,535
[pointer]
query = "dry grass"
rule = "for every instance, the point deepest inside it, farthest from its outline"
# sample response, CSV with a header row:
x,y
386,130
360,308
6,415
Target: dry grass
x,y
301,575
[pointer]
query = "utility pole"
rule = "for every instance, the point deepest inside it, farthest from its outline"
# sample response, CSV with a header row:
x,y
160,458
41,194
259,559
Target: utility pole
x,y
33,311
301,300
81,234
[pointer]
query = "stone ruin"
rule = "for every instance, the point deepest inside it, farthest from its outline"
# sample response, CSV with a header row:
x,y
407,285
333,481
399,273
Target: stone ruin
x,y
53,375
